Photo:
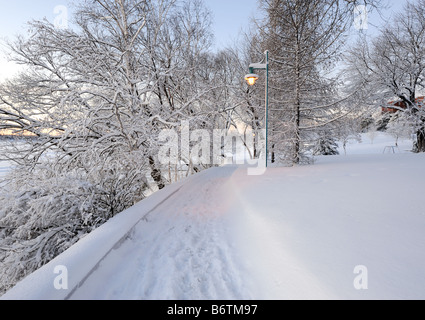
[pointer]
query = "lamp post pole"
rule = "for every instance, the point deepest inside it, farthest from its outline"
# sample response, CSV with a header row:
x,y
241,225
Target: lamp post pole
x,y
267,107
251,79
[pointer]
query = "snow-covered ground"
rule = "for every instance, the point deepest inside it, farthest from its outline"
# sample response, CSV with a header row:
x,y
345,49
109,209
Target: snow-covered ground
x,y
376,143
348,227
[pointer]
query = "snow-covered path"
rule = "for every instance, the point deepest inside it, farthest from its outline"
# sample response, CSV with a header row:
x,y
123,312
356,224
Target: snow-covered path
x,y
178,251
310,232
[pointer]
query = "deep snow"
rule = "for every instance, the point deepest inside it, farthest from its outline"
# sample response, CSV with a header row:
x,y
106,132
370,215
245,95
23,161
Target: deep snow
x,y
292,233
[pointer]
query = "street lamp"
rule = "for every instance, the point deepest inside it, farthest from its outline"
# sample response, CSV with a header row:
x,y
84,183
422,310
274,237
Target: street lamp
x,y
251,79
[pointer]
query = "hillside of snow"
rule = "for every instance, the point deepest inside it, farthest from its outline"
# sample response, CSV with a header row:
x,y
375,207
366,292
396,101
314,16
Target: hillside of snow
x,y
349,227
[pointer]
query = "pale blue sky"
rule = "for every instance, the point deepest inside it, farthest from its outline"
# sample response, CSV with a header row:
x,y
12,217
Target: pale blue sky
x,y
230,17
15,13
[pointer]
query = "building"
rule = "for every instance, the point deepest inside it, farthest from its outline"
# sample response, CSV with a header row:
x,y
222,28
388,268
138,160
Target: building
x,y
394,106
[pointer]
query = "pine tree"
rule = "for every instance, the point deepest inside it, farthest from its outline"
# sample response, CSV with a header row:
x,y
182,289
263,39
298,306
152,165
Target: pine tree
x,y
326,146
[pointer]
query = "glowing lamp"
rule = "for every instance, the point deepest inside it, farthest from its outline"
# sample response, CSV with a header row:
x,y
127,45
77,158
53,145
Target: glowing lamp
x,y
251,78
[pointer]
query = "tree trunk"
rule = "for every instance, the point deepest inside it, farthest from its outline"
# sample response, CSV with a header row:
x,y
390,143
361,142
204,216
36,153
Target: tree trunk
x,y
156,174
420,142
298,80
297,133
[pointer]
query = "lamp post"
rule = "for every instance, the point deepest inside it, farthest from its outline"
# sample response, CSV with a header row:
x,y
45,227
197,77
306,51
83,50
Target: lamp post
x,y
251,79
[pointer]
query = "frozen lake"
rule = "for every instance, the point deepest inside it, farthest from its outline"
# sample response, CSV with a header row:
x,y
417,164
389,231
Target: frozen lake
x,y
4,168
4,165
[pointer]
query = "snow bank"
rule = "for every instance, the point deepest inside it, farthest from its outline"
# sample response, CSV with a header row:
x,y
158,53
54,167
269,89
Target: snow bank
x,y
304,231
82,259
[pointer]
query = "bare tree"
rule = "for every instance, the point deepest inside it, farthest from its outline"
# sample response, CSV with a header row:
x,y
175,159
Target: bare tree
x,y
392,66
305,40
93,102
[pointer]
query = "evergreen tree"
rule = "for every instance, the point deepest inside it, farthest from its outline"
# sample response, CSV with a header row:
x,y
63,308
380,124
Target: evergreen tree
x,y
326,146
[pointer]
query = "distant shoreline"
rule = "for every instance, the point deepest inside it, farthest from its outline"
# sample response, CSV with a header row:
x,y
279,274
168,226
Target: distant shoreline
x,y
16,137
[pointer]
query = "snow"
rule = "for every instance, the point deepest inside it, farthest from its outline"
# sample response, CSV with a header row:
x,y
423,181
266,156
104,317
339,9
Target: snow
x,y
292,233
4,165
376,143
4,168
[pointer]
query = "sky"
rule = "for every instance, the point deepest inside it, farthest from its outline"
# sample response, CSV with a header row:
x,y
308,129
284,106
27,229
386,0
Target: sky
x,y
230,18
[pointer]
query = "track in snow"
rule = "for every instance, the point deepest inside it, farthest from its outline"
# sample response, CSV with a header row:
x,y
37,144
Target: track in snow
x,y
292,233
178,251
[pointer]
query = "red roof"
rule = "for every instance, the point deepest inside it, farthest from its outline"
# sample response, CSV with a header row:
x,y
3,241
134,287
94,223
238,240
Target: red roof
x,y
401,104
